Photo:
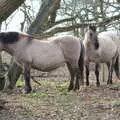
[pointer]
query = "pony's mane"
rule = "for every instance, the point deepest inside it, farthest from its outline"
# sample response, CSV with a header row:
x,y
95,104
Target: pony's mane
x,y
93,28
13,37
9,37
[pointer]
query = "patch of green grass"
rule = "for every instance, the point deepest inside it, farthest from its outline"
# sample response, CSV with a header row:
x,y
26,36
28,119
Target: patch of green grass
x,y
116,84
52,84
37,95
44,83
47,93
116,102
63,91
20,83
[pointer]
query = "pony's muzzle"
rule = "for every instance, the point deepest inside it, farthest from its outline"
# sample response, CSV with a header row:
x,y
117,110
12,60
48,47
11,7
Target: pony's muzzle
x,y
88,60
88,43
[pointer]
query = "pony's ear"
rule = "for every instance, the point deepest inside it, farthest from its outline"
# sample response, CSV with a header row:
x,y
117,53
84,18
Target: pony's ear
x,y
85,30
93,28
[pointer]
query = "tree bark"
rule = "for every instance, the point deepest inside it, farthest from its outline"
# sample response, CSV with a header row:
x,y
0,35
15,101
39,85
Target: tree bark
x,y
12,75
7,7
48,8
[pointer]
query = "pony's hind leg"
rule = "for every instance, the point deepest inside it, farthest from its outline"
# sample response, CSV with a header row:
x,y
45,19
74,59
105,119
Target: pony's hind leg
x,y
81,68
97,74
72,74
28,87
77,83
110,73
116,67
87,74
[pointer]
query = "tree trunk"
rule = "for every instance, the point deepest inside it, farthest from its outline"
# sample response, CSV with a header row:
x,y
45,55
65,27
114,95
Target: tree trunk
x,y
48,8
2,81
7,7
12,75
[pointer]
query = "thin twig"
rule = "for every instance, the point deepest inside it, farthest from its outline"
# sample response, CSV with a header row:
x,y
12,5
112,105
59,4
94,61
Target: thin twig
x,y
35,81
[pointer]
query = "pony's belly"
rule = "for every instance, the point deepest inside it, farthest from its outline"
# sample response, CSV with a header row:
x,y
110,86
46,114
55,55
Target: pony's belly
x,y
48,62
46,67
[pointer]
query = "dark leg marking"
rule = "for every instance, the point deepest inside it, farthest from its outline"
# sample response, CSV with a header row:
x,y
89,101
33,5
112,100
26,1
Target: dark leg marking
x,y
72,74
110,73
77,83
87,74
28,87
97,74
81,64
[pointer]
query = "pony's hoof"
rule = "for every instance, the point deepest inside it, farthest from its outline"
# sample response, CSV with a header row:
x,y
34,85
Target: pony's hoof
x,y
74,89
109,83
70,88
77,88
87,84
98,84
27,90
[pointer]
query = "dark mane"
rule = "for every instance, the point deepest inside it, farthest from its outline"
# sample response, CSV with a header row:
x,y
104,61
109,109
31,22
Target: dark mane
x,y
93,28
9,37
96,44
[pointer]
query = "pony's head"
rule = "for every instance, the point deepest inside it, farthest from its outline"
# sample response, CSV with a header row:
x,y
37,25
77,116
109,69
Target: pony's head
x,y
91,37
8,38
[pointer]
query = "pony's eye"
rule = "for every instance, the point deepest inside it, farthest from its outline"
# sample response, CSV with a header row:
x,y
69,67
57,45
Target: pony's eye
x,y
90,34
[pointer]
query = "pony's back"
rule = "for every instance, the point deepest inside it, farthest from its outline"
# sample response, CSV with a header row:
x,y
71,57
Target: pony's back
x,y
113,35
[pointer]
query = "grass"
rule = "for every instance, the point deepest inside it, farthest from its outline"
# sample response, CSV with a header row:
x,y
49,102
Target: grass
x,y
116,102
61,88
20,83
44,83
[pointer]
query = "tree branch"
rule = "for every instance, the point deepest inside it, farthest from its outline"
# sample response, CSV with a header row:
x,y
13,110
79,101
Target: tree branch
x,y
77,25
7,7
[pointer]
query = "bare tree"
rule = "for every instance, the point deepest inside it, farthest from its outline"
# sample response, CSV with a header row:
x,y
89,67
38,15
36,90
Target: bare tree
x,y
56,16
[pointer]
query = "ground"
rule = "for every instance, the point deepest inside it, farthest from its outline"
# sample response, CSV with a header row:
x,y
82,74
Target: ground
x,y
51,101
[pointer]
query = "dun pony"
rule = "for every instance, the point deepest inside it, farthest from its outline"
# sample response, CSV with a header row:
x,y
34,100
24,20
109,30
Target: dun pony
x,y
101,48
45,55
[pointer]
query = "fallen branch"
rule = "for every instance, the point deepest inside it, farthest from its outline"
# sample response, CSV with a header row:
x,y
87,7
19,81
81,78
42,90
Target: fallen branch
x,y
36,81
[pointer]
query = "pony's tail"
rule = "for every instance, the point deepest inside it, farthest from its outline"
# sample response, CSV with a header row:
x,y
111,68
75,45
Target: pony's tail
x,y
81,62
116,67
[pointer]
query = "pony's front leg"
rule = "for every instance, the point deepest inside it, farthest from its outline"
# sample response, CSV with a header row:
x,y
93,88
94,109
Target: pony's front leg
x,y
97,74
72,74
28,87
110,73
87,74
77,82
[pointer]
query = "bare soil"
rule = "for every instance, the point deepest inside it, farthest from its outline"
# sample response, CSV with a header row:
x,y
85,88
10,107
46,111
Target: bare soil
x,y
51,101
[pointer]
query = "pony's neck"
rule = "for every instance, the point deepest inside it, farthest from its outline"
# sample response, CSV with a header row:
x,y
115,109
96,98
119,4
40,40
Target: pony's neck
x,y
15,48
